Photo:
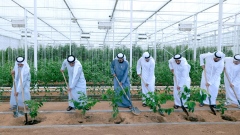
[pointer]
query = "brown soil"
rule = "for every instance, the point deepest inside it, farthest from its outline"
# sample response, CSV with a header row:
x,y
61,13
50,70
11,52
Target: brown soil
x,y
175,123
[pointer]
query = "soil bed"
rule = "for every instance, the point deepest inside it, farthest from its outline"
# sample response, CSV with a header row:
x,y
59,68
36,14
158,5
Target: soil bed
x,y
101,115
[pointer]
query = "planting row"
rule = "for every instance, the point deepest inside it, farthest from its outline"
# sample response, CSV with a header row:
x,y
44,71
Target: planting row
x,y
153,100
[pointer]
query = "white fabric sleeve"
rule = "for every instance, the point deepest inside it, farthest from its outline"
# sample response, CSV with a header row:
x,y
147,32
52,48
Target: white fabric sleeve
x,y
151,72
236,80
184,76
216,74
139,66
202,57
64,64
75,81
170,62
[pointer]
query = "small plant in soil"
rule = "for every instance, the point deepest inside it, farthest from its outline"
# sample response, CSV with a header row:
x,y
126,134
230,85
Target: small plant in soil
x,y
221,105
154,101
114,97
195,94
33,107
85,103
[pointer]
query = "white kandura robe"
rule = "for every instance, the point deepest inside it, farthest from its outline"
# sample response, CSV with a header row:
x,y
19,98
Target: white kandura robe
x,y
181,72
146,69
233,72
76,80
213,72
26,77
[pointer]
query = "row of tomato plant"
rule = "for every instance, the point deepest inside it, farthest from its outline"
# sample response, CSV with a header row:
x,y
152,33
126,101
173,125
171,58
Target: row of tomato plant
x,y
153,100
49,74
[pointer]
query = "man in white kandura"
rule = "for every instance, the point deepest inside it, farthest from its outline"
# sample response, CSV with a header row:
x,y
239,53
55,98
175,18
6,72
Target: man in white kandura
x,y
180,68
76,82
214,64
145,70
232,72
20,68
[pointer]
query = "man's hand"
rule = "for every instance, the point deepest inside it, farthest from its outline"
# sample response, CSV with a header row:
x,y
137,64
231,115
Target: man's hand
x,y
146,84
13,72
172,70
178,88
114,75
203,67
207,84
140,75
231,85
16,94
61,70
69,89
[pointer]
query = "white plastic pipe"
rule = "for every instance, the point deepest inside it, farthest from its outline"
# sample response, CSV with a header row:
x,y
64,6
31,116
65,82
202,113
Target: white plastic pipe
x,y
131,17
236,46
35,35
195,38
155,39
220,25
25,39
70,44
113,41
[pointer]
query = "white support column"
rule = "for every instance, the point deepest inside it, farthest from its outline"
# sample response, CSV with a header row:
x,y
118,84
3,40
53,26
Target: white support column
x,y
155,39
189,42
195,38
162,41
235,50
113,40
220,25
35,35
70,42
131,18
25,39
215,38
189,39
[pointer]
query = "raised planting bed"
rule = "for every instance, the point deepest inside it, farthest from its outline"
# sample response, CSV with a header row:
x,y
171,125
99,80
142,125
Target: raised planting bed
x,y
54,119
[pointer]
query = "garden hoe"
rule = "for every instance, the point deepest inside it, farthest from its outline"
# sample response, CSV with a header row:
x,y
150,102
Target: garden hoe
x,y
182,106
16,113
209,96
134,110
25,112
232,88
161,113
69,92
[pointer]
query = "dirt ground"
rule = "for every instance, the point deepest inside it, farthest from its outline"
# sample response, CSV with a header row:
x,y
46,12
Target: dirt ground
x,y
98,121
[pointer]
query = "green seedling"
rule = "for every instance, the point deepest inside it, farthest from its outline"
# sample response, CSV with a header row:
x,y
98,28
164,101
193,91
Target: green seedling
x,y
84,103
193,95
33,106
114,99
156,99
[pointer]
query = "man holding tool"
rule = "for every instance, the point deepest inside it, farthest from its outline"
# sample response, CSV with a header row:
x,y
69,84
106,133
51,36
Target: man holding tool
x,y
212,69
180,69
21,71
76,81
119,69
145,70
232,79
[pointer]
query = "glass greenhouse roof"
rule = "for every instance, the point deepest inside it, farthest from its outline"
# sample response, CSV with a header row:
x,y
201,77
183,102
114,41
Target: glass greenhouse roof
x,y
60,21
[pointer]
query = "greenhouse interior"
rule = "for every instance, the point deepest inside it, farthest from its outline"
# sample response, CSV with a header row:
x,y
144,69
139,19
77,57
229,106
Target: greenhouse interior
x,y
46,33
